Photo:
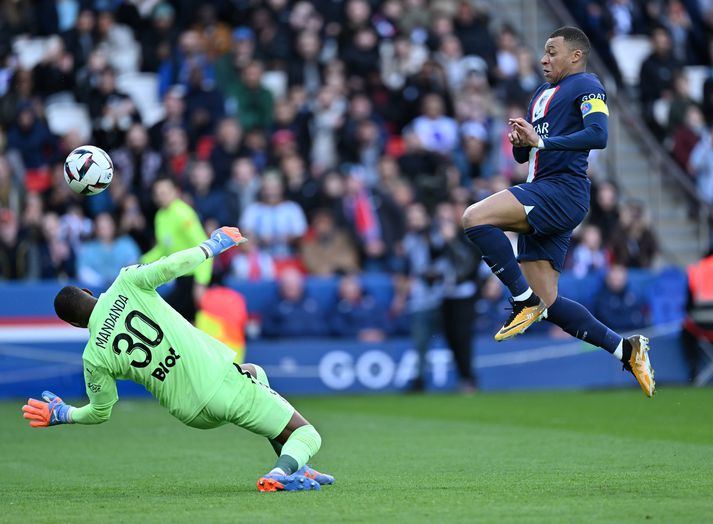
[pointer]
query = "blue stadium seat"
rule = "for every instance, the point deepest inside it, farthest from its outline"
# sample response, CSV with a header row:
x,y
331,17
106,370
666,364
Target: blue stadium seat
x,y
667,296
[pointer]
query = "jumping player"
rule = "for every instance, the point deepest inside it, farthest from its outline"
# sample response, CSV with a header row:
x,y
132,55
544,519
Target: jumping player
x,y
135,335
566,118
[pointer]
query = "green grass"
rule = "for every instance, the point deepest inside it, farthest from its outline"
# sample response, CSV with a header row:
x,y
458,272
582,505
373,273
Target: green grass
x,y
538,457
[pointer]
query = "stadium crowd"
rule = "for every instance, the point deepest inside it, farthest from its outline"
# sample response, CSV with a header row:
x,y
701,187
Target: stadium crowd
x,y
681,35
342,137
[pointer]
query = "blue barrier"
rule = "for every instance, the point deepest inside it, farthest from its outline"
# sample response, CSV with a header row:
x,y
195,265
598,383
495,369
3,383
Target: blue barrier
x,y
664,291
328,366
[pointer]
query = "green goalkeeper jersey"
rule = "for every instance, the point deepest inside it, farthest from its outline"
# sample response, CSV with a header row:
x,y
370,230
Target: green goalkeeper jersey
x,y
135,335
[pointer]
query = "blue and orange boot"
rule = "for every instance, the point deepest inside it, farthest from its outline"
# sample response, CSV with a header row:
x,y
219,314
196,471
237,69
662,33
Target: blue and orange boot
x,y
322,478
276,482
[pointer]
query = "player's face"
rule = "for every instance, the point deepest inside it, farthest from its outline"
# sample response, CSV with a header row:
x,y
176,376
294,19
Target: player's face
x,y
557,60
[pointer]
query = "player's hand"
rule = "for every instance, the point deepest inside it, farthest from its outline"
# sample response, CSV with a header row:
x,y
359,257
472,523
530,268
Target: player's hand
x,y
515,139
525,131
48,413
222,239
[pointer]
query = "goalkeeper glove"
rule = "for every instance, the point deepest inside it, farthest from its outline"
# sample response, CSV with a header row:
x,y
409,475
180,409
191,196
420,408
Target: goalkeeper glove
x,y
221,240
48,413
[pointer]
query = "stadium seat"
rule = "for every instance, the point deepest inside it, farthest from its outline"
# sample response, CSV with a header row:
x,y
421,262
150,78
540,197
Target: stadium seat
x,y
667,296
696,76
630,52
143,90
29,51
63,117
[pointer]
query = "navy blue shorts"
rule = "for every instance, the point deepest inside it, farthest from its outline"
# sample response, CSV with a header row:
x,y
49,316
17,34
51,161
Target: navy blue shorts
x,y
554,207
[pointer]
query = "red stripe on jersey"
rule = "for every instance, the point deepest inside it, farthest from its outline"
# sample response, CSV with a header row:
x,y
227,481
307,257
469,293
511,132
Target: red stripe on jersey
x,y
550,100
537,158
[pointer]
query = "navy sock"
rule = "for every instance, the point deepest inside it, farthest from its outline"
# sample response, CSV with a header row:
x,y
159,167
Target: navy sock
x,y
576,320
497,253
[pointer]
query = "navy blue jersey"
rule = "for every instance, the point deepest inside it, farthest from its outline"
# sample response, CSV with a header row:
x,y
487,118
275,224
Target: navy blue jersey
x,y
558,110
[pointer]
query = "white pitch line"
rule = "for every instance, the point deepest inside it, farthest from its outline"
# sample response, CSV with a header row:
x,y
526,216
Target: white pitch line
x,y
42,372
45,355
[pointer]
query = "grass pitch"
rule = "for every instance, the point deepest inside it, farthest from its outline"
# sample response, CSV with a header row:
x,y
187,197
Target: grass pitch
x,y
525,457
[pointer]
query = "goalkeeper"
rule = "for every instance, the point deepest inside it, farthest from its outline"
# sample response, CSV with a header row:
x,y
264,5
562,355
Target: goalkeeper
x,y
135,335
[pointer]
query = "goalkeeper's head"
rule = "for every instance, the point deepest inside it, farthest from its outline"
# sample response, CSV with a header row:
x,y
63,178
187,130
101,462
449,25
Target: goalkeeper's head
x,y
74,305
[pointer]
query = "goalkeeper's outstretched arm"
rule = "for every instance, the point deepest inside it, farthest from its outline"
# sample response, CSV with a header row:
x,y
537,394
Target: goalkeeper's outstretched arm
x,y
150,276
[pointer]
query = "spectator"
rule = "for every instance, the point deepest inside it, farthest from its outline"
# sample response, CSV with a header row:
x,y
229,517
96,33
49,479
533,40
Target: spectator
x,y
242,189
357,315
589,256
700,165
227,149
615,305
10,190
112,112
419,289
687,136
251,263
399,60
174,107
159,38
136,164
206,201
300,186
657,75
275,223
177,227
229,65
99,261
375,220
327,249
57,258
633,242
204,105
294,315
248,100
18,257
177,155
306,70
605,209
458,306
190,54
435,131
32,139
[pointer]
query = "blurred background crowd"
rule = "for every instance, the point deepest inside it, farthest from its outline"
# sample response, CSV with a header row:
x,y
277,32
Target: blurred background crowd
x,y
343,138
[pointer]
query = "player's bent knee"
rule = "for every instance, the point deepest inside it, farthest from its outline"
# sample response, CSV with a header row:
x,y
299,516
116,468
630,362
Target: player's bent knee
x,y
472,217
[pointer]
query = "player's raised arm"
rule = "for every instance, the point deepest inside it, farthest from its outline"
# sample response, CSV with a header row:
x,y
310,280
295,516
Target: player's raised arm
x,y
152,275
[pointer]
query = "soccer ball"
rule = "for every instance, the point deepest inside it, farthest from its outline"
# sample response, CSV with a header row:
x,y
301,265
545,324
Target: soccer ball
x,y
88,170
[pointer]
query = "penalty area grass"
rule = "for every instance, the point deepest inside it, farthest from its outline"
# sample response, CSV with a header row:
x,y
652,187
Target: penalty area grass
x,y
605,456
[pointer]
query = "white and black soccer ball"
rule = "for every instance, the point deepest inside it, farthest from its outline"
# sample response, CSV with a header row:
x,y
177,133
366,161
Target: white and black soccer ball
x,y
88,170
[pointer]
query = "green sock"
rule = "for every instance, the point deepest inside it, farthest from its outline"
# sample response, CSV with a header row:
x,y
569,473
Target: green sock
x,y
287,464
303,444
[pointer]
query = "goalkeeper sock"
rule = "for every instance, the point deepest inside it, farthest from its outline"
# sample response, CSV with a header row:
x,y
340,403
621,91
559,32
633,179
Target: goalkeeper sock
x,y
303,444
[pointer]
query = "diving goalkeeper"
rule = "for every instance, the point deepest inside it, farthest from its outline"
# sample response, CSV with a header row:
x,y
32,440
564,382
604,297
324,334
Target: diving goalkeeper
x,y
135,335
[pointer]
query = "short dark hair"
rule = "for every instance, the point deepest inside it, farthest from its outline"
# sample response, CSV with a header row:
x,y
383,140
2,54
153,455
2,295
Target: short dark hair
x,y
575,37
69,304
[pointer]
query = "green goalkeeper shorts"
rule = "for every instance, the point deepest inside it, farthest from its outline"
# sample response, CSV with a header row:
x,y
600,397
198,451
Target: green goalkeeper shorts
x,y
245,402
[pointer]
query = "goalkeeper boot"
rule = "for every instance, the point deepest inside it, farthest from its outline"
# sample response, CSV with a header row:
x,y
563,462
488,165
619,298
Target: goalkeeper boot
x,y
277,482
322,478
524,314
640,365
